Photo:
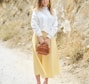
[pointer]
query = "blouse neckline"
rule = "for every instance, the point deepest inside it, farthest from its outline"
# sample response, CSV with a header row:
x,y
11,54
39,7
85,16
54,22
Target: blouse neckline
x,y
45,7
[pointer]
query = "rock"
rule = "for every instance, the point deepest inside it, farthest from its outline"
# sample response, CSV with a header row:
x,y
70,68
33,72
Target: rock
x,y
72,16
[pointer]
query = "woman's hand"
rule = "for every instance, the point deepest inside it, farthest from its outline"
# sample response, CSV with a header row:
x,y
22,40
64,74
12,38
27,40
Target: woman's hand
x,y
47,40
41,39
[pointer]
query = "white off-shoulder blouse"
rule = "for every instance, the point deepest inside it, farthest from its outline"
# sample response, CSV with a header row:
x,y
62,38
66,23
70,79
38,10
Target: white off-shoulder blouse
x,y
43,20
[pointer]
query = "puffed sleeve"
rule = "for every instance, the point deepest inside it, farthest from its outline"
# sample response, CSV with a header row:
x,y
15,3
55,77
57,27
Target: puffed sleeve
x,y
34,24
54,28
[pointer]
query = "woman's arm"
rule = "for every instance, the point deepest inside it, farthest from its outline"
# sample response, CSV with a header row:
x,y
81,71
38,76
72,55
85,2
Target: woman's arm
x,y
35,27
54,26
34,24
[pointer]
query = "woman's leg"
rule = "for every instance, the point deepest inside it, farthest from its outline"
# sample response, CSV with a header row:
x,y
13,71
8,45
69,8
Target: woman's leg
x,y
46,81
38,79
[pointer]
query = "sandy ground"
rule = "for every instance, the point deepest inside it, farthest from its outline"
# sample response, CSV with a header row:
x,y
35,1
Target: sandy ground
x,y
16,67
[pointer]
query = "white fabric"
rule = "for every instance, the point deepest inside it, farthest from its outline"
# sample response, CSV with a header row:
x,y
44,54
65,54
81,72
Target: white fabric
x,y
42,20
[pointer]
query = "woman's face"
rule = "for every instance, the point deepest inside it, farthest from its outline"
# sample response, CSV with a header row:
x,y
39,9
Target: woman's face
x,y
45,2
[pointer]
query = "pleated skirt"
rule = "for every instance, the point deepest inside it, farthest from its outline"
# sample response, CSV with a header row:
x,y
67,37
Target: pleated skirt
x,y
46,66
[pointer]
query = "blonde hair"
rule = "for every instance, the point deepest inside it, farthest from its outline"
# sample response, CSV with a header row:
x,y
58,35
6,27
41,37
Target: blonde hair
x,y
39,6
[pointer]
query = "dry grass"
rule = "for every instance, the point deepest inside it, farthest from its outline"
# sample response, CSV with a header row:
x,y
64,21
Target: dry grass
x,y
9,30
86,55
70,45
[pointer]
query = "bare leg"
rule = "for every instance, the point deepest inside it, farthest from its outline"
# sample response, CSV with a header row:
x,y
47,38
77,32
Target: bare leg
x,y
46,81
38,79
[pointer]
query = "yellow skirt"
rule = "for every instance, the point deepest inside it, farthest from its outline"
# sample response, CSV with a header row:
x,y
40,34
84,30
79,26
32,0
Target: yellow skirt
x,y
46,66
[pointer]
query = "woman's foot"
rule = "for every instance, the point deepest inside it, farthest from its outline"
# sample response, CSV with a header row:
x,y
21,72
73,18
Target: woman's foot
x,y
38,83
45,82
38,79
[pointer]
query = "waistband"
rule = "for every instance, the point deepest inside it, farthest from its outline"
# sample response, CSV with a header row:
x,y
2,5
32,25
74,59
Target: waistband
x,y
44,33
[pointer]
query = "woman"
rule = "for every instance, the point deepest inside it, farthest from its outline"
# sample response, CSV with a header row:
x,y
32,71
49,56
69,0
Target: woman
x,y
44,24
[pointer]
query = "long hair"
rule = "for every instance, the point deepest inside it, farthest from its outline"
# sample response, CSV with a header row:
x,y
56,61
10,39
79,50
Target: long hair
x,y
39,5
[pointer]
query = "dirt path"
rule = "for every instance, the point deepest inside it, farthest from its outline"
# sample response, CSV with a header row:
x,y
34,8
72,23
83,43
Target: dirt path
x,y
17,68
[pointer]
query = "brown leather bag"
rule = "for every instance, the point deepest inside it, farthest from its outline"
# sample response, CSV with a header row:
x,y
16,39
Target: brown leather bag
x,y
42,49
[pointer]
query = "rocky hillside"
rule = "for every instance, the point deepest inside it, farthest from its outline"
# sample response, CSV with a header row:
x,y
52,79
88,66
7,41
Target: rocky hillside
x,y
73,33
